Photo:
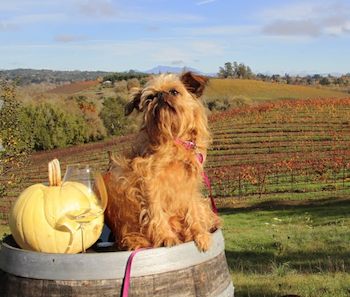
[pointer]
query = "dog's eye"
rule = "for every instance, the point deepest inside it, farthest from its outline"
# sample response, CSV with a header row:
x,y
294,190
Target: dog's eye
x,y
174,92
150,97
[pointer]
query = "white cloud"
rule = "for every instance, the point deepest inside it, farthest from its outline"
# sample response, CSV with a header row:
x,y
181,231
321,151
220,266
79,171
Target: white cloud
x,y
96,8
205,2
311,19
222,30
65,38
6,27
296,11
177,62
293,28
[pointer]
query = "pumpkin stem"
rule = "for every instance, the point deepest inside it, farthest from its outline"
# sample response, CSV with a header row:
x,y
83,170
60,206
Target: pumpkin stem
x,y
54,173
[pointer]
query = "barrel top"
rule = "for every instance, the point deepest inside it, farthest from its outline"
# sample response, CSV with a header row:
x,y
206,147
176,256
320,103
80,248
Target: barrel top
x,y
104,265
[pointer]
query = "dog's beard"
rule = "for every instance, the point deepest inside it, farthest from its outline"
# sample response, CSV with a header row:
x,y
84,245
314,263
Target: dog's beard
x,y
163,120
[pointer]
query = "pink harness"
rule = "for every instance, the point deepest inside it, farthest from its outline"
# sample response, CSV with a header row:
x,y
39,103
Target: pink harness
x,y
188,145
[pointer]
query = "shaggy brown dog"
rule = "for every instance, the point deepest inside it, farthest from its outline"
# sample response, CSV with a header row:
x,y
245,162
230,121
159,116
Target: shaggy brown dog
x,y
155,193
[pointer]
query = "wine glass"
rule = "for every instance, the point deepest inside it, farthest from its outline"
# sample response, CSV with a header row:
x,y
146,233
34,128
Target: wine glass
x,y
91,183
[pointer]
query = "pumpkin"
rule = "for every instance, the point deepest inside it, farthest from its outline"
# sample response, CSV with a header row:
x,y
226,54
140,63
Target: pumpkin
x,y
59,218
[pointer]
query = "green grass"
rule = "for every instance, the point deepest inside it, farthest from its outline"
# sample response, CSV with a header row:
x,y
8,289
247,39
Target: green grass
x,y
303,285
3,231
300,247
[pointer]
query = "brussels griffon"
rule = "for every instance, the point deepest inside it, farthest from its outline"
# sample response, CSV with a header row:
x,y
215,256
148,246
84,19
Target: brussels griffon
x,y
155,193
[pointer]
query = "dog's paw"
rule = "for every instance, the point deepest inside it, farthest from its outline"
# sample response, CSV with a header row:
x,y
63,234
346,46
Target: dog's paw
x,y
203,241
171,241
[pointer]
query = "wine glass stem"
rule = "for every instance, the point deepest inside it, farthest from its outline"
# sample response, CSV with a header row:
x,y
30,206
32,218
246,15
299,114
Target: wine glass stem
x,y
82,237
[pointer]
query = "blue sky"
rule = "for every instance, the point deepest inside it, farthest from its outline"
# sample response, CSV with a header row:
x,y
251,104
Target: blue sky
x,y
117,35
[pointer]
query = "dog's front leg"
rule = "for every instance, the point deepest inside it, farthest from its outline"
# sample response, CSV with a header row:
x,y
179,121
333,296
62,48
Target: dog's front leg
x,y
159,230
198,221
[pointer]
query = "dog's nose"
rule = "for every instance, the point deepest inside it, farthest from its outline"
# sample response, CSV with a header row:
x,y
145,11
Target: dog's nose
x,y
160,96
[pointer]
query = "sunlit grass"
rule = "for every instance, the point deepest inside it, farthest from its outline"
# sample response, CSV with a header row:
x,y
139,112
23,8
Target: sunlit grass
x,y
297,248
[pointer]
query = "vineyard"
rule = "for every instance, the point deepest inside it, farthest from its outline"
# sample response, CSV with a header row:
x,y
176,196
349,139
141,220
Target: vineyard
x,y
74,87
286,149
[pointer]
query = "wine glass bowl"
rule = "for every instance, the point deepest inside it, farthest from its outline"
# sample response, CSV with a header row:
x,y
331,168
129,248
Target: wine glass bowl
x,y
79,173
89,210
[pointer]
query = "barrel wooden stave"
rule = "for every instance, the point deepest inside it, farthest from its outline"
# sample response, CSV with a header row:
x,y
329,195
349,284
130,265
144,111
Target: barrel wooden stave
x,y
207,278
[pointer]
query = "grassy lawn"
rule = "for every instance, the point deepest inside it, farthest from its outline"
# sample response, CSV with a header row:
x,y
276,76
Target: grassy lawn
x,y
279,248
3,230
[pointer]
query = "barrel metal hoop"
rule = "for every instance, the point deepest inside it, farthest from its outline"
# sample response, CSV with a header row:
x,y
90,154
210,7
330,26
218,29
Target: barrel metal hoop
x,y
108,265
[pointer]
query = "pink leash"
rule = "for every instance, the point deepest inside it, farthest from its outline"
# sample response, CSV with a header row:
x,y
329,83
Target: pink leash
x,y
208,185
127,277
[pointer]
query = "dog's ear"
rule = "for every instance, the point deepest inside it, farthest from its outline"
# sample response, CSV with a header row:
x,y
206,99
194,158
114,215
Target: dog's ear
x,y
194,83
134,103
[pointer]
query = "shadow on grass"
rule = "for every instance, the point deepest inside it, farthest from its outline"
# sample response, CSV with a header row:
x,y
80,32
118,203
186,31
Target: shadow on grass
x,y
321,206
322,212
302,262
259,291
256,291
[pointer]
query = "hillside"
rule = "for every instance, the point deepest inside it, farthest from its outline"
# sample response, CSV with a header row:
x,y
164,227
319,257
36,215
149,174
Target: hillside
x,y
220,94
256,91
35,76
279,148
251,90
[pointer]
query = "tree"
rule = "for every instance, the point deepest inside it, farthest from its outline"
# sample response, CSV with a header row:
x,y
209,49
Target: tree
x,y
226,71
50,126
325,81
112,115
14,146
235,70
89,110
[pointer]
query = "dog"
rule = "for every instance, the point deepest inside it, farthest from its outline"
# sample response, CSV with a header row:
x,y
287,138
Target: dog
x,y
154,193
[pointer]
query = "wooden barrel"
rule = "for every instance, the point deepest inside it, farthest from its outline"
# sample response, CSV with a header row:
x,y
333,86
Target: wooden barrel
x,y
177,271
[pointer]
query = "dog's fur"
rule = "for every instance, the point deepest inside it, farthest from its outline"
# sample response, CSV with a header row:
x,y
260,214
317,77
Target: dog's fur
x,y
155,193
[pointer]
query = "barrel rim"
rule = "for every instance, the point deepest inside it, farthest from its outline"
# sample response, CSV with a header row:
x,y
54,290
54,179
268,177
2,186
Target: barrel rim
x,y
108,265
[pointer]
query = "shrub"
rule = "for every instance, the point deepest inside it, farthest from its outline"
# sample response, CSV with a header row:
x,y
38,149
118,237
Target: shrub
x,y
87,109
133,83
112,115
224,102
50,126
121,86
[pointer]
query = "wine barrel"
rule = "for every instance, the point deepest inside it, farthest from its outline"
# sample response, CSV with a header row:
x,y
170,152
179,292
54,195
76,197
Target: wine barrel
x,y
177,271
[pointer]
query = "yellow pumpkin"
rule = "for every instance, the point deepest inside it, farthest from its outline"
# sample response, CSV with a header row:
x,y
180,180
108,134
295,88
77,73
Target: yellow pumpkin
x,y
59,218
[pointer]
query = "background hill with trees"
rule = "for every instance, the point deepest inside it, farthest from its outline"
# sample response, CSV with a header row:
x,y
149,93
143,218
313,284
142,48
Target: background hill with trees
x,y
63,108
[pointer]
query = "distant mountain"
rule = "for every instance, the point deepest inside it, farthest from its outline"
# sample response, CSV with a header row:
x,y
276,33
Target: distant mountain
x,y
173,69
170,69
34,76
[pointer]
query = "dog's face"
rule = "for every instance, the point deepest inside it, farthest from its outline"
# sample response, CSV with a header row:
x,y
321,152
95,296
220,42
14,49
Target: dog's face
x,y
171,107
